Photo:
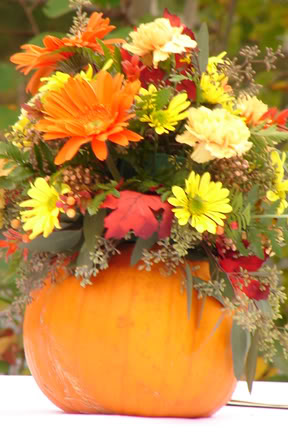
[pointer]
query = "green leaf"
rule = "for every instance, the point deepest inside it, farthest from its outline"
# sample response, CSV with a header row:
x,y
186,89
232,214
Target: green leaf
x,y
251,362
265,308
107,53
140,245
93,226
241,341
163,97
47,155
57,241
120,32
56,8
95,203
38,157
189,288
203,45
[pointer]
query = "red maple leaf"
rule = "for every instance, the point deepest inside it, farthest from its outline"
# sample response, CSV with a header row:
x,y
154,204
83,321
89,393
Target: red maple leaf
x,y
136,211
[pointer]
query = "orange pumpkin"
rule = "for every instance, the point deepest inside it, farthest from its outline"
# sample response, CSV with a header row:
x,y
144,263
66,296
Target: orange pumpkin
x,y
125,344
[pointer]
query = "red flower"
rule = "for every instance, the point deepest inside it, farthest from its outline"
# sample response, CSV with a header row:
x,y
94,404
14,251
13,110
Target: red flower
x,y
13,239
132,66
231,263
252,289
151,76
274,117
176,22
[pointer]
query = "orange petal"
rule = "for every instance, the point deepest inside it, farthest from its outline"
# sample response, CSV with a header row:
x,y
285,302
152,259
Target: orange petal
x,y
69,149
100,149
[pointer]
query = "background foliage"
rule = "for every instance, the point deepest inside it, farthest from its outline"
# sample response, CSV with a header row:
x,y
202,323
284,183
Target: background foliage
x,y
232,24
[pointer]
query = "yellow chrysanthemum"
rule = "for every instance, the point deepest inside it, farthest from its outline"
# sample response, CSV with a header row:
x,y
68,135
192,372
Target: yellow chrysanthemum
x,y
202,203
280,187
155,41
147,98
58,79
20,129
44,213
215,134
214,85
164,121
252,109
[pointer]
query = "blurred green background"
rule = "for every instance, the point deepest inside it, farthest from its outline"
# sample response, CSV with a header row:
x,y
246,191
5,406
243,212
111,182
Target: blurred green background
x,y
232,25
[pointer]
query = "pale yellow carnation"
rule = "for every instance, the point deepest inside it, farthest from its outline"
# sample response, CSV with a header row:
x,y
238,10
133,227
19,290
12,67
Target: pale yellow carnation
x,y
215,134
155,41
252,109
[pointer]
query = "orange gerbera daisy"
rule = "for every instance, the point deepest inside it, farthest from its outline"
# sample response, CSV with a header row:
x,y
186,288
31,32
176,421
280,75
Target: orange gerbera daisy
x,y
44,59
94,111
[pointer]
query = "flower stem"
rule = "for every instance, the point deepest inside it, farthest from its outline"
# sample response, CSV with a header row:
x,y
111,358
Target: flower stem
x,y
112,168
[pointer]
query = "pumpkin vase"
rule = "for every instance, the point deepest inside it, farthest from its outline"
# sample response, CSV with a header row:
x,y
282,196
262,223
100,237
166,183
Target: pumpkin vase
x,y
125,344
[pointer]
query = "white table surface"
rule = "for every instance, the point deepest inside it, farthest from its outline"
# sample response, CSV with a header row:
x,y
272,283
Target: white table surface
x,y
23,407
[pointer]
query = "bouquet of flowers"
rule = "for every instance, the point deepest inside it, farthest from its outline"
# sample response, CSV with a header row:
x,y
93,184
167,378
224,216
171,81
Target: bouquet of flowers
x,y
152,142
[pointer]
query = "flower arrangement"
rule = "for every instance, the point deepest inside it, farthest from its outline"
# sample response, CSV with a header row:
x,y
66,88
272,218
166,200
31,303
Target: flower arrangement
x,y
150,142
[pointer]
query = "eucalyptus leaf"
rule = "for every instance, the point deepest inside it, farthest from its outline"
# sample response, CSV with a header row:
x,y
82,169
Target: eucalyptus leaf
x,y
189,288
140,245
265,308
57,241
241,341
203,45
93,226
251,362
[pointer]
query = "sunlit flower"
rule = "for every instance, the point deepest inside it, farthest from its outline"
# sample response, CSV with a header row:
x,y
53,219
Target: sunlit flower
x,y
252,109
44,59
280,187
215,91
43,215
155,41
94,111
202,204
215,134
164,121
59,79
146,99
214,85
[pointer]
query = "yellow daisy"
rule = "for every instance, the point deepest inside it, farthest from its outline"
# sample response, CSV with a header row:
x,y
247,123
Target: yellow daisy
x,y
164,121
280,187
155,41
202,203
43,215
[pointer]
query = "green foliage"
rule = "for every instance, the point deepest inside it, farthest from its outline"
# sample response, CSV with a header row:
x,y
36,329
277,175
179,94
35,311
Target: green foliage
x,y
241,342
203,45
56,8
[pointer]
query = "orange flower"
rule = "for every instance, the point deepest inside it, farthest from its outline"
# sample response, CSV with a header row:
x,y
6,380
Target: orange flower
x,y
94,111
44,59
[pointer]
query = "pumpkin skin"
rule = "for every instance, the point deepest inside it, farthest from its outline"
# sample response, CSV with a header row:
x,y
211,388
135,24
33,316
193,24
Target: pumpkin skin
x,y
125,345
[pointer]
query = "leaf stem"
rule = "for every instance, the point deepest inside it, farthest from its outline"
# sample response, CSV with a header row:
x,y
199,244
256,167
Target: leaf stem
x,y
270,216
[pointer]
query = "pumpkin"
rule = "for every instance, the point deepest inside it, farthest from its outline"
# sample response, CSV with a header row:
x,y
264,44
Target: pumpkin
x,y
125,344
